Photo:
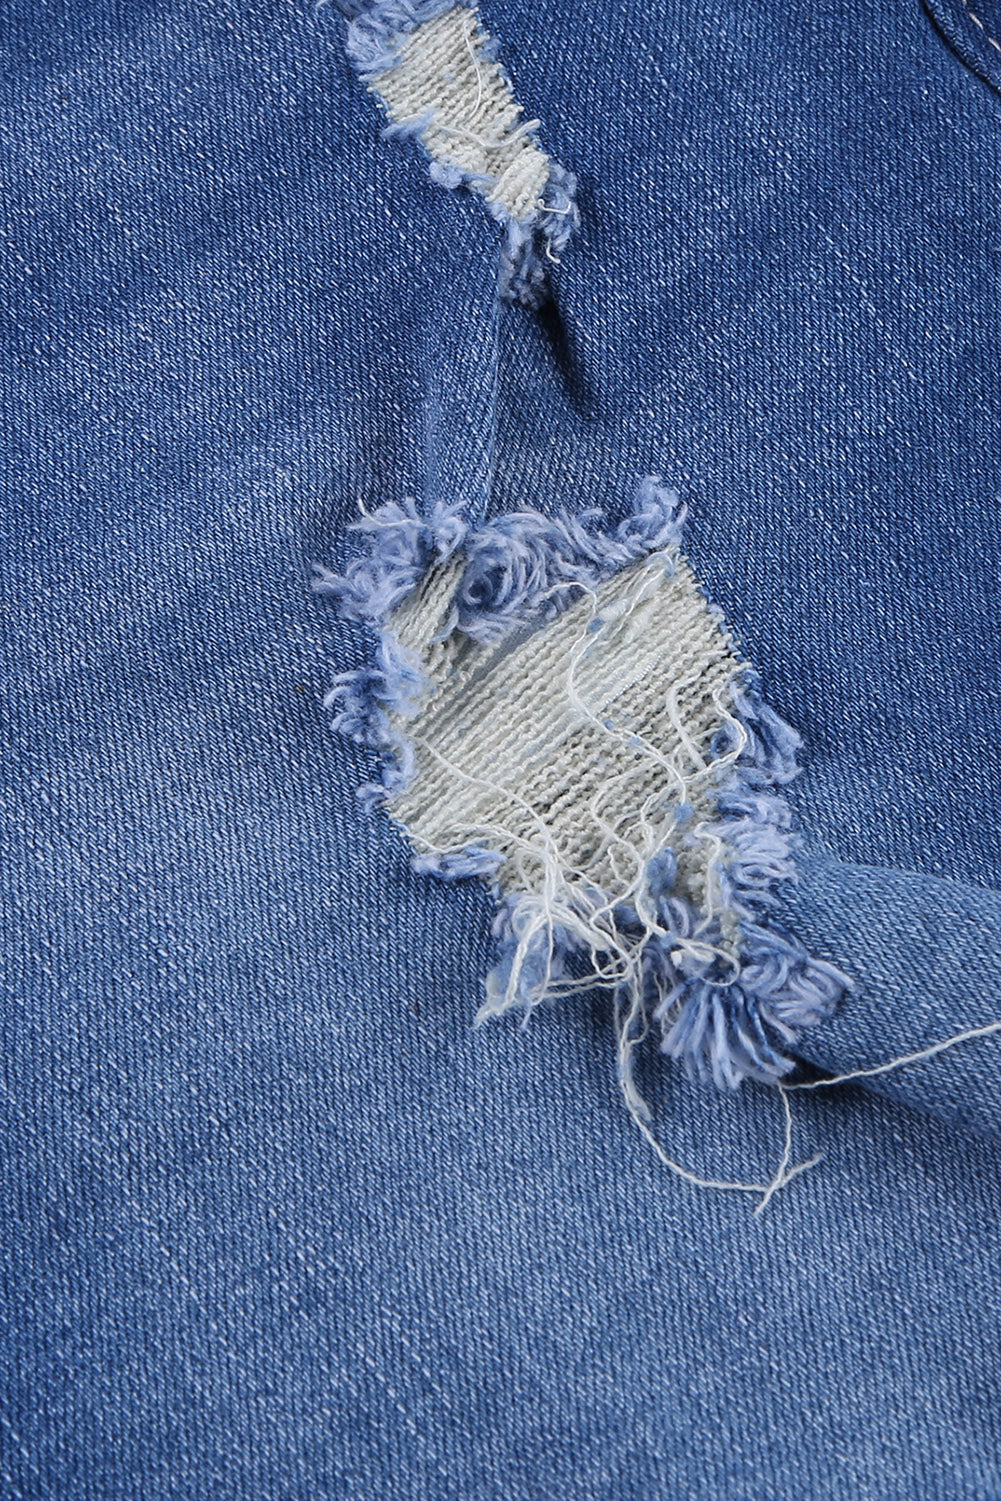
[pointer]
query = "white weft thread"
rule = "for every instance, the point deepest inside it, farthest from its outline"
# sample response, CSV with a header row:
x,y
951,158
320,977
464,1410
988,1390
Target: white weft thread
x,y
579,751
464,112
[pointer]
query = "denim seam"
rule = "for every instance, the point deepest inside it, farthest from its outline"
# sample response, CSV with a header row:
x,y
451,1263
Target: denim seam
x,y
978,22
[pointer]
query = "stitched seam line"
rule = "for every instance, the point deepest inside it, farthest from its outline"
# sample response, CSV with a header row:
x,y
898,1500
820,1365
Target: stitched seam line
x,y
977,22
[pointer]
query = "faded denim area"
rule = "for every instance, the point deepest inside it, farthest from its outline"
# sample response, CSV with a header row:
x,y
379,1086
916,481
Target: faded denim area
x,y
276,1221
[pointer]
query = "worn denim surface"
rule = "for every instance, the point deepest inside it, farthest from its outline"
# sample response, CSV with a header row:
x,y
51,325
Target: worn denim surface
x,y
276,1221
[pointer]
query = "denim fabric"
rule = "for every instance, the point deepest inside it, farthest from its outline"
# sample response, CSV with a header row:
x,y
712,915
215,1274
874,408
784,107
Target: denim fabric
x,y
276,1221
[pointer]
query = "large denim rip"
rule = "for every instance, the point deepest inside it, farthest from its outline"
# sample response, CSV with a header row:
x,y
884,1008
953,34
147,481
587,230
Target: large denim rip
x,y
278,1221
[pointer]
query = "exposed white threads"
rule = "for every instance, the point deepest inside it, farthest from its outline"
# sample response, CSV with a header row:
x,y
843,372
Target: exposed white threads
x,y
991,41
549,911
462,107
469,34
649,578
579,753
582,726
610,776
420,625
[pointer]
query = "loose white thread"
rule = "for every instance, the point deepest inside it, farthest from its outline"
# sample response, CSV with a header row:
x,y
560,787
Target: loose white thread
x,y
781,1177
576,714
885,1068
538,715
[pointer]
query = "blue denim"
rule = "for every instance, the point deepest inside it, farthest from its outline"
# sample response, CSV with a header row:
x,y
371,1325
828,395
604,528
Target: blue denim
x,y
277,1222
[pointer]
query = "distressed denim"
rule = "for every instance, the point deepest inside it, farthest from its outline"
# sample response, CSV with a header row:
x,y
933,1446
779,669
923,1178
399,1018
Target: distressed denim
x,y
277,1220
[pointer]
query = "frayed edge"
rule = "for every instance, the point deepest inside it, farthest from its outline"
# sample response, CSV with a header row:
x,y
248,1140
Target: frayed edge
x,y
403,546
739,1018
532,243
727,985
377,31
521,569
730,988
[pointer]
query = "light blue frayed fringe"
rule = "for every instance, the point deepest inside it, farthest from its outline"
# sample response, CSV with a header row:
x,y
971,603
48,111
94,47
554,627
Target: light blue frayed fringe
x,y
720,1025
378,28
721,1022
376,31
